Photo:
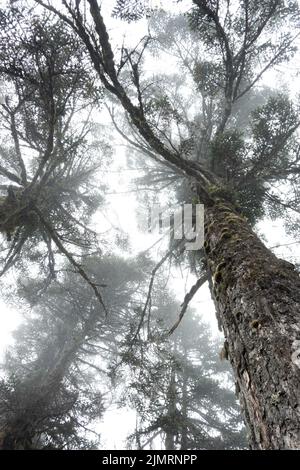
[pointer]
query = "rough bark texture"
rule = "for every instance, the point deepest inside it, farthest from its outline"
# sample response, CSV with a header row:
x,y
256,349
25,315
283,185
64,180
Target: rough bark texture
x,y
257,298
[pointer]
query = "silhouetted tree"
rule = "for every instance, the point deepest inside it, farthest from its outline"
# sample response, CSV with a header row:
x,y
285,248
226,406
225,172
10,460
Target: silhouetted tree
x,y
181,390
50,397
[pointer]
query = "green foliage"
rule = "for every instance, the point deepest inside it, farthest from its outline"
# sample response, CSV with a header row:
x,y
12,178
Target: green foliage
x,y
227,155
130,10
209,77
270,13
160,108
272,125
229,161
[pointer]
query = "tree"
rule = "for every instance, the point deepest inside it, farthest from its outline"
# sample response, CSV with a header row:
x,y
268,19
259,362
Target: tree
x,y
51,397
256,295
48,156
182,392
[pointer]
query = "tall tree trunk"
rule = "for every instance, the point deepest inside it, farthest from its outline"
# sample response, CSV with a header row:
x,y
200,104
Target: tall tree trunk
x,y
257,298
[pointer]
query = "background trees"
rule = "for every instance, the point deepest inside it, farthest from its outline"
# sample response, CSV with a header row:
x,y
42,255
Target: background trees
x,y
56,377
183,393
69,360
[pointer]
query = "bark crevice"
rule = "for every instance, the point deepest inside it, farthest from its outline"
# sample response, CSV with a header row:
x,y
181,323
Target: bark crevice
x,y
257,298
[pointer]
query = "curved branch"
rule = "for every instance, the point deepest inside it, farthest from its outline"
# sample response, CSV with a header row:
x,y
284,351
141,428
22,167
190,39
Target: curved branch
x,y
52,233
189,296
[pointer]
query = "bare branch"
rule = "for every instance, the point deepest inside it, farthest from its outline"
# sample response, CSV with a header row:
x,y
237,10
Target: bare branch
x,y
149,295
9,174
267,66
189,296
52,233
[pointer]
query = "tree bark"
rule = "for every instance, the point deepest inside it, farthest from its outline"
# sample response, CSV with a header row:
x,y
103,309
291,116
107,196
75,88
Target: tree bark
x,y
257,299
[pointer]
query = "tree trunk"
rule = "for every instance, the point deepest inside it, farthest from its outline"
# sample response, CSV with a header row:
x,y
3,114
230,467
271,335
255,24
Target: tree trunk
x,y
257,298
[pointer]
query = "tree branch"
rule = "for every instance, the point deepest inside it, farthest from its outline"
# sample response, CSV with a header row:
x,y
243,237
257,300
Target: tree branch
x,y
52,233
189,296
